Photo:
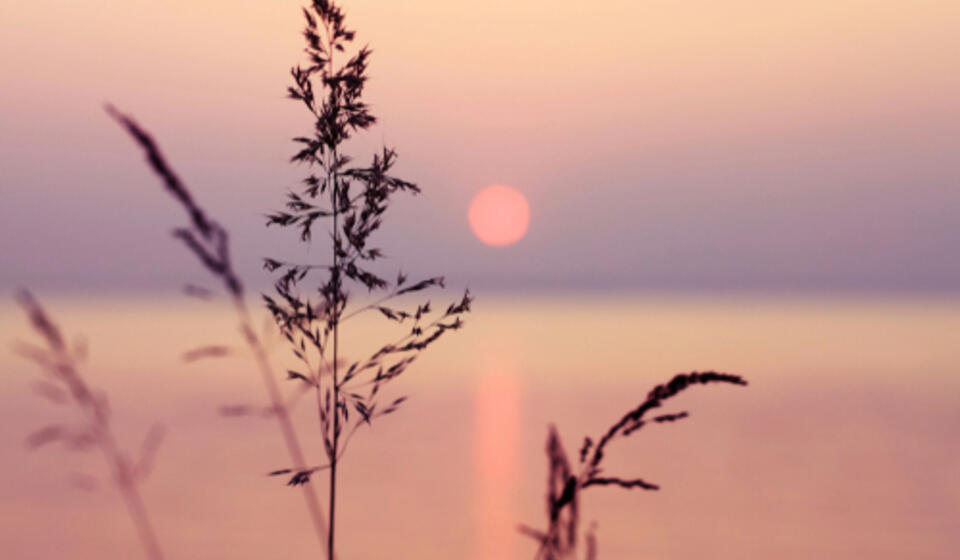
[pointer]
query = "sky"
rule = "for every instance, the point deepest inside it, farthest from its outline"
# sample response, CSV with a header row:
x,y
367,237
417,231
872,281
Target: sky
x,y
662,145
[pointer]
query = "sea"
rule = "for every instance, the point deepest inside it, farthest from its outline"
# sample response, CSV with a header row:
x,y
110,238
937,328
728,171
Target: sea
x,y
845,444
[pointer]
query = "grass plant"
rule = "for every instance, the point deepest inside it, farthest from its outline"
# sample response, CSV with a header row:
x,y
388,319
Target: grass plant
x,y
352,200
63,384
565,482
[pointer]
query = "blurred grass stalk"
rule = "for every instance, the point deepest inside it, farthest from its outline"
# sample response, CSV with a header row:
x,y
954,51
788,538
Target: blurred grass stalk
x,y
63,384
209,241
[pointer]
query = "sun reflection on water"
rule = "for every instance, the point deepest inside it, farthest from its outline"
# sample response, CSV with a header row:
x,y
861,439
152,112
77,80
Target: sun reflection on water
x,y
496,443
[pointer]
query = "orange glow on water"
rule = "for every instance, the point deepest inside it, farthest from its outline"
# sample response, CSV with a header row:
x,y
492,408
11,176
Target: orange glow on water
x,y
496,445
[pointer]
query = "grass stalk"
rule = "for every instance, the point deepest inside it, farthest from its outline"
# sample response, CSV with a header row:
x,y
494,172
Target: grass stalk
x,y
566,480
311,319
209,241
63,383
287,429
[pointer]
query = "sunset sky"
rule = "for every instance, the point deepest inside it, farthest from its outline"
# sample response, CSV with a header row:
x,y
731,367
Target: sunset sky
x,y
737,145
631,189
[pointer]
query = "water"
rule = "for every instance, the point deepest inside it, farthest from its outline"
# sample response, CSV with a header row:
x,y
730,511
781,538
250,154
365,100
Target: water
x,y
843,446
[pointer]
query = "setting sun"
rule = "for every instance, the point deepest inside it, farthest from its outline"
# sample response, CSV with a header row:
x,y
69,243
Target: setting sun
x,y
499,215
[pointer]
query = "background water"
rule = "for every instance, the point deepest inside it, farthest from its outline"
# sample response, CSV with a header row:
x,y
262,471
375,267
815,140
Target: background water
x,y
843,446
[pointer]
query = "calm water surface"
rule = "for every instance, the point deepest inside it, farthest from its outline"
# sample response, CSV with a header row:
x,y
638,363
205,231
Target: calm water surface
x,y
844,446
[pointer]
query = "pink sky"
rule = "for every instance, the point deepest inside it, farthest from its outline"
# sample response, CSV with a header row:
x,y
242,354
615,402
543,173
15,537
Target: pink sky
x,y
689,145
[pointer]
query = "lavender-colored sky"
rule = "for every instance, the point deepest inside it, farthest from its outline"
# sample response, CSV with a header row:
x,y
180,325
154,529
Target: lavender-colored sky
x,y
695,145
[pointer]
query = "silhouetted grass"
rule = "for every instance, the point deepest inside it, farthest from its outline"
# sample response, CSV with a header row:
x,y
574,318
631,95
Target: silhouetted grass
x,y
564,483
62,384
354,201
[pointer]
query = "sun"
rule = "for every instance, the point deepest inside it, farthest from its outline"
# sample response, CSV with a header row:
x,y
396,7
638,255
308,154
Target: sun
x,y
499,215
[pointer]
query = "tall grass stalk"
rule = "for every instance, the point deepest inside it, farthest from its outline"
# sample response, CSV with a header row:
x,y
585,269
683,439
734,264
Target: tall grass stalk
x,y
354,199
347,396
209,241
